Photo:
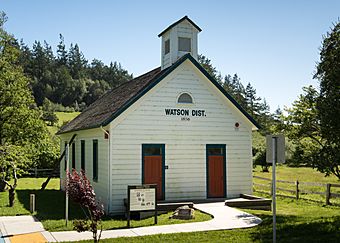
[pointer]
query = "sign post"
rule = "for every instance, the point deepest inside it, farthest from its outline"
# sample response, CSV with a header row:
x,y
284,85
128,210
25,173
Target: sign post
x,y
275,153
142,198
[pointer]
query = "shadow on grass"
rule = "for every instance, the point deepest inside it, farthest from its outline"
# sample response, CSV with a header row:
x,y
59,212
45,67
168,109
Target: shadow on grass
x,y
298,229
50,204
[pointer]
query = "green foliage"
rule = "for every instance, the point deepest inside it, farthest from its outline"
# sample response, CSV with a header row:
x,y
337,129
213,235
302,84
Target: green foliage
x,y
68,78
302,125
21,128
206,63
328,102
313,121
48,112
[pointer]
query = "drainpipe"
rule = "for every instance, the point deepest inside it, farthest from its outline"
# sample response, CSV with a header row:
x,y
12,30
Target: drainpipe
x,y
109,169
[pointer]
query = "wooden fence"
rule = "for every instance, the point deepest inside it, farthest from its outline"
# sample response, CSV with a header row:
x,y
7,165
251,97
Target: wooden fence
x,y
35,172
294,188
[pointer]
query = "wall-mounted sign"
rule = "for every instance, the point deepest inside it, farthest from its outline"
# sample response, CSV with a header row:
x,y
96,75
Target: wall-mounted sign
x,y
184,112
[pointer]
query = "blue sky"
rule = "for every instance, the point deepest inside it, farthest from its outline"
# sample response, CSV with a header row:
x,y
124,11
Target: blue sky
x,y
274,45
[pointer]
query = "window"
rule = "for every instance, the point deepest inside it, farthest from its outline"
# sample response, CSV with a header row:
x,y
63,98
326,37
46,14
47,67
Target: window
x,y
184,44
73,155
82,154
152,150
95,160
166,46
215,151
65,156
185,98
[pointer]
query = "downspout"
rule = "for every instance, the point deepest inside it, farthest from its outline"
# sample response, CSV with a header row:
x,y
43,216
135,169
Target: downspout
x,y
109,170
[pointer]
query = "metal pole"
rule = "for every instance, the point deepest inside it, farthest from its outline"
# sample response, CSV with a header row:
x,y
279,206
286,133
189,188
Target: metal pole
x,y
274,142
66,183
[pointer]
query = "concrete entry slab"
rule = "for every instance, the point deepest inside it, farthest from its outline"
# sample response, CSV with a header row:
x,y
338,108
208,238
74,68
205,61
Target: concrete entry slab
x,y
249,202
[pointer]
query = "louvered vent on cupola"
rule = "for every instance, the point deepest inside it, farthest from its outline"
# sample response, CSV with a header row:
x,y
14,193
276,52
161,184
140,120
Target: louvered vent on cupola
x,y
179,39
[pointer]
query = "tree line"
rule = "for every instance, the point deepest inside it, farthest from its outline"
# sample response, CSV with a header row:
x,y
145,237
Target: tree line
x,y
66,77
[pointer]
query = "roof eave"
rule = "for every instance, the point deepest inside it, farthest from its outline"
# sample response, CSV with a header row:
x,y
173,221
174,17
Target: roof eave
x,y
177,22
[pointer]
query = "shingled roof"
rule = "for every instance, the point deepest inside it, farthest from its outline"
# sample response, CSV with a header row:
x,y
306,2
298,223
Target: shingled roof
x,y
112,104
102,109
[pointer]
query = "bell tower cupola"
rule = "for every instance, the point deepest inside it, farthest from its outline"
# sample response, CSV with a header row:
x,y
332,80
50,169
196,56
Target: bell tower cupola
x,y
179,39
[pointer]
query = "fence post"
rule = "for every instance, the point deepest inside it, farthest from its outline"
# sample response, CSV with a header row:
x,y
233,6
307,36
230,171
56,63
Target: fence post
x,y
297,189
328,194
32,203
36,172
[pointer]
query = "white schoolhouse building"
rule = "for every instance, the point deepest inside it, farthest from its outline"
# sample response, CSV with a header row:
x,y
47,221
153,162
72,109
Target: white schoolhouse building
x,y
173,126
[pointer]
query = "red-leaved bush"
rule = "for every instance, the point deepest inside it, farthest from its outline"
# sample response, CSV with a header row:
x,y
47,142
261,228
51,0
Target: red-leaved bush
x,y
81,192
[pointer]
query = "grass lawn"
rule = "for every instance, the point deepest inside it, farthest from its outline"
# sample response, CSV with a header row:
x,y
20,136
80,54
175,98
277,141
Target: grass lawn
x,y
297,221
302,174
63,117
50,208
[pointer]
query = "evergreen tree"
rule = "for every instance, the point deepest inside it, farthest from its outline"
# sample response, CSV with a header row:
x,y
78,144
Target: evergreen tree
x,y
77,62
252,100
206,63
328,102
62,56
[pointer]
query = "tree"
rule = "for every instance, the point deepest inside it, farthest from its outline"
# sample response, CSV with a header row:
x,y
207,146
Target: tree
x,y
207,65
48,112
23,135
81,192
303,126
10,157
76,62
328,102
252,100
61,51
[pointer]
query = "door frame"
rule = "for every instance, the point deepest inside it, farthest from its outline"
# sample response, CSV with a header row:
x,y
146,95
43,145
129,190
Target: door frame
x,y
162,146
223,146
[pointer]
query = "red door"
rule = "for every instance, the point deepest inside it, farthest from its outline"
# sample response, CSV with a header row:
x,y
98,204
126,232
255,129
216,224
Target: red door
x,y
153,167
216,172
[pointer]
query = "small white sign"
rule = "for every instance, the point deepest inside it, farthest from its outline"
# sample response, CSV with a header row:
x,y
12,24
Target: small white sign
x,y
142,199
280,152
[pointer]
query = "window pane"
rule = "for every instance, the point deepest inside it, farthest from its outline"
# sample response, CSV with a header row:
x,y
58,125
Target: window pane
x,y
73,155
152,151
65,156
215,151
82,154
185,98
167,47
95,160
184,44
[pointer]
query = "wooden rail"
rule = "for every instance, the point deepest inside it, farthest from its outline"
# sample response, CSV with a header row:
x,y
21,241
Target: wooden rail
x,y
297,191
43,172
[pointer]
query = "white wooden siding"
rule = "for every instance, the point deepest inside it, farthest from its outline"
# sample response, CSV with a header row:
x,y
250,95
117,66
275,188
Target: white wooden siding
x,y
185,141
101,186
